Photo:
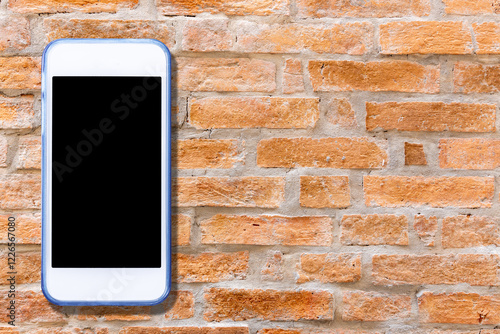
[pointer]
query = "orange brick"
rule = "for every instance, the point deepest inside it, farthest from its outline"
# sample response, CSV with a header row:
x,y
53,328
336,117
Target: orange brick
x,y
380,76
243,7
29,152
4,148
315,331
243,304
414,154
325,191
476,78
71,330
94,28
355,38
184,330
267,230
473,269
253,112
181,230
437,192
20,191
32,307
465,7
210,267
206,153
66,6
28,228
373,306
179,305
14,33
340,112
459,308
469,153
329,268
340,8
273,269
28,267
17,112
248,192
470,231
19,73
111,313
374,230
225,75
487,35
204,35
293,82
430,116
438,37
339,152
426,228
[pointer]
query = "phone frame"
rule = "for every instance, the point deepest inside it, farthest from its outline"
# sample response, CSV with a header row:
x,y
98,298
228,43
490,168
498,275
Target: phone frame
x,y
106,57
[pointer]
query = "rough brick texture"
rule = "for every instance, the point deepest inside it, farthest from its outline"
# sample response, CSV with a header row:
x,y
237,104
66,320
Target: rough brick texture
x,y
470,231
30,153
476,78
330,268
206,153
373,306
325,191
374,230
465,153
20,73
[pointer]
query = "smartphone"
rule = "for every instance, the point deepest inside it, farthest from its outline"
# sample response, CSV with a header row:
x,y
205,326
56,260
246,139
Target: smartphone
x,y
106,203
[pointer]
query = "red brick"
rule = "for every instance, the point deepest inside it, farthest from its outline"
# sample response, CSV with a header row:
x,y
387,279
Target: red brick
x,y
459,308
14,33
414,154
253,112
355,38
341,113
206,153
29,152
437,192
17,112
430,116
374,230
20,73
28,267
267,230
32,307
225,75
426,229
184,330
465,7
476,78
438,37
339,152
469,153
325,191
205,35
28,228
181,230
470,231
329,268
179,305
340,8
210,267
244,304
95,28
248,192
20,191
473,269
66,6
373,306
380,76
273,269
487,35
111,313
293,82
243,7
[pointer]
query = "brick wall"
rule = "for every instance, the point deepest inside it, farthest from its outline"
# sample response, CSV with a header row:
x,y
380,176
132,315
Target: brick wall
x,y
335,164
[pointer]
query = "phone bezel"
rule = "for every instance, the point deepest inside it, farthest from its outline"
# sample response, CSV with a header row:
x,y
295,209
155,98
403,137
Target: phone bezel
x,y
105,57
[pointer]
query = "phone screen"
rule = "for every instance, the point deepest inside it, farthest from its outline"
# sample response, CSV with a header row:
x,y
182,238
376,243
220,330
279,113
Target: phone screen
x,y
106,172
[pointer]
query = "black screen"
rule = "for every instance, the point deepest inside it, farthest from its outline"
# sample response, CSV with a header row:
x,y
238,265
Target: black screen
x,y
106,175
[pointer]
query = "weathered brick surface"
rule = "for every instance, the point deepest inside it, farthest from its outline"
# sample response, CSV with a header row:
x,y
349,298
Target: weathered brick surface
x,y
430,116
4,148
464,7
32,307
29,152
293,81
184,330
414,154
243,304
112,313
380,76
340,112
476,78
321,153
330,268
71,330
20,192
469,153
206,153
20,73
17,112
470,231
207,35
243,7
473,269
373,306
65,6
28,228
325,191
438,192
487,35
27,268
459,308
426,228
253,112
374,230
181,230
14,33
273,268
279,330
179,305
267,230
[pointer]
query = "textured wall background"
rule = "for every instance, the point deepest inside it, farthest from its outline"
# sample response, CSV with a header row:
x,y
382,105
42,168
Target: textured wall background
x,y
336,164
